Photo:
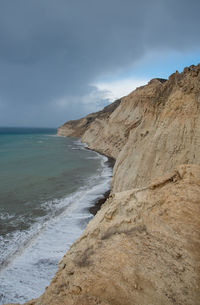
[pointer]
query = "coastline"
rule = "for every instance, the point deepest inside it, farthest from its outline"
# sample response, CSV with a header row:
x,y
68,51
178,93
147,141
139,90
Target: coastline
x,y
99,202
97,205
143,245
110,163
82,214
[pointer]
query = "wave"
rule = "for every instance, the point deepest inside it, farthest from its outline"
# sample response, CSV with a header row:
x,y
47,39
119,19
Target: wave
x,y
6,216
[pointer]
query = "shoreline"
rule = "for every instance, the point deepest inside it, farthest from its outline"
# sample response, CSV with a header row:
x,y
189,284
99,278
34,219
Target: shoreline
x,y
110,163
92,208
97,205
99,202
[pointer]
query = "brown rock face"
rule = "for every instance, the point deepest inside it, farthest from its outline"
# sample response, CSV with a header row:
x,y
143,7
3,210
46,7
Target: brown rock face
x,y
143,246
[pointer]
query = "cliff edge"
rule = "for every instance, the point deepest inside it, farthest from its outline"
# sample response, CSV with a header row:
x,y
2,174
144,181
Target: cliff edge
x,y
143,246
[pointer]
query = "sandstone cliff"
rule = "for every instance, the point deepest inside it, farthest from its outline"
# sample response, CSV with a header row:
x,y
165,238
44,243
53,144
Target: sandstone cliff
x,y
143,246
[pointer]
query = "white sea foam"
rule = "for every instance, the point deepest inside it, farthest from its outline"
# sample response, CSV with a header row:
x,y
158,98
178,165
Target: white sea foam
x,y
6,216
91,158
54,135
36,252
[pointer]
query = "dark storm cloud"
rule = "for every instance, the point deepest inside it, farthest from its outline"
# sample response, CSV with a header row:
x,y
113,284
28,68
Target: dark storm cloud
x,y
51,50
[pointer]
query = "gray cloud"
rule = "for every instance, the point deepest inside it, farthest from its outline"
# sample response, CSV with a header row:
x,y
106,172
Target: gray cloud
x,y
52,50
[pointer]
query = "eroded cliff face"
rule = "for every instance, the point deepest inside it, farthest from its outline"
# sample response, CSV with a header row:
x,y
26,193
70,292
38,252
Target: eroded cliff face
x,y
143,246
167,133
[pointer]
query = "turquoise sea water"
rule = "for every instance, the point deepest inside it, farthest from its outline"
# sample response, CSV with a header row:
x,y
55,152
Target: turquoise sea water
x,y
47,184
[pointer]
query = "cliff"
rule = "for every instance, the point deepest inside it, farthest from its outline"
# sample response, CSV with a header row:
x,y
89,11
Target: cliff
x,y
143,246
76,128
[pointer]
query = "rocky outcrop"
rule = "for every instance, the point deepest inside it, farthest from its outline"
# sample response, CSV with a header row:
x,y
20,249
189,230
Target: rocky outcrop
x,y
143,246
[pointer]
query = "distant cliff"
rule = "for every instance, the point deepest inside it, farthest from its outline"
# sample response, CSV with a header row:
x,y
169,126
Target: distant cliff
x,y
143,246
77,128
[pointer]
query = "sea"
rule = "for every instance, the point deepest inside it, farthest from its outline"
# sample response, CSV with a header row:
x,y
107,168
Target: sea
x,y
47,185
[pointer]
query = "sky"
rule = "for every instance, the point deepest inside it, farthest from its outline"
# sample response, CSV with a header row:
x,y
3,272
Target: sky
x,y
62,59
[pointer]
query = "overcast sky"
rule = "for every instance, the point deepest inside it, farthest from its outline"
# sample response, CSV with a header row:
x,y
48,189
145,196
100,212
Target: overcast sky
x,y
61,59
